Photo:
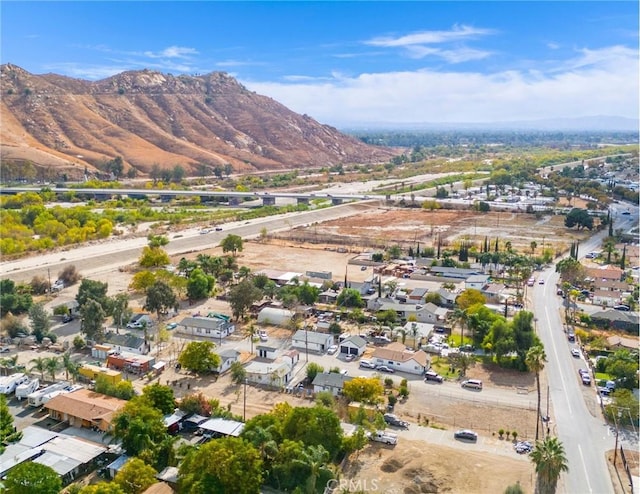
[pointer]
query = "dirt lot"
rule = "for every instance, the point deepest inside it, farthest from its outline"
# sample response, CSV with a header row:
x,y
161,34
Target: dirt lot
x,y
412,467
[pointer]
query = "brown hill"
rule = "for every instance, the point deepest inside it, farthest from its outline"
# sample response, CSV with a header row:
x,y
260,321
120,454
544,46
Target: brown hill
x,y
151,118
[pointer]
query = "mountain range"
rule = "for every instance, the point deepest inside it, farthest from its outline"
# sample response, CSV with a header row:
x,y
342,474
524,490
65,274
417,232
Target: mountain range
x,y
151,119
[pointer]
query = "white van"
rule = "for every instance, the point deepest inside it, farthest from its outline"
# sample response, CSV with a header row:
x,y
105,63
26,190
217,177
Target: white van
x,y
472,384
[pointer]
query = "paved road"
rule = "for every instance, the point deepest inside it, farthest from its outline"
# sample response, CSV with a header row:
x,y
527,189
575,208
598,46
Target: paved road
x,y
111,254
585,437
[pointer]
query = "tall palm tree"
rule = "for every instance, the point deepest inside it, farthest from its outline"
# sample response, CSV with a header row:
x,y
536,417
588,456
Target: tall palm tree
x,y
52,365
40,365
535,360
459,317
315,458
69,366
550,461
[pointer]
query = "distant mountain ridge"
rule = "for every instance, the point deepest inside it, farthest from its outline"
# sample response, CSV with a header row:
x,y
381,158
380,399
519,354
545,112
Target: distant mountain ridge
x,y
149,118
604,123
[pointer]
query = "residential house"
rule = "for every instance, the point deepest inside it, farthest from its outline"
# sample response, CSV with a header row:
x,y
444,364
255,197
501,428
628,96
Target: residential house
x,y
84,408
276,373
609,292
267,352
446,272
417,331
616,319
130,362
617,342
220,427
447,298
227,357
312,341
476,281
493,292
612,273
215,326
330,381
126,342
428,313
417,295
275,316
353,345
397,357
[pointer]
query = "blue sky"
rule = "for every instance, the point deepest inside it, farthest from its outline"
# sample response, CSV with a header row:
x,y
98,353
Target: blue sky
x,y
350,63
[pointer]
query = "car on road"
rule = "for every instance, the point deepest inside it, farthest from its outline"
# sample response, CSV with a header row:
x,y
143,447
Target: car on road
x,y
586,380
626,213
394,420
560,292
172,325
205,231
367,364
581,372
575,352
472,384
5,349
67,318
622,307
332,349
433,376
218,228
384,368
541,281
466,435
363,268
571,336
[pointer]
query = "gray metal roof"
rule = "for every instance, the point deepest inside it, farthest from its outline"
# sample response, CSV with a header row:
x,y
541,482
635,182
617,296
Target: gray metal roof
x,y
331,379
311,337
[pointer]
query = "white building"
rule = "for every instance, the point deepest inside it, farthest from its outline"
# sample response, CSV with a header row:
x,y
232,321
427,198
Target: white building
x,y
216,326
276,374
397,357
274,316
227,357
312,341
353,345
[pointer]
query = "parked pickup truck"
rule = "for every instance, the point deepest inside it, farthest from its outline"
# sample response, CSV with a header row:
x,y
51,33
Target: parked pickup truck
x,y
384,437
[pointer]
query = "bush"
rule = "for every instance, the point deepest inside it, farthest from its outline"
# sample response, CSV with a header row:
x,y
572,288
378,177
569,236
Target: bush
x,y
39,285
79,343
52,336
60,310
388,382
392,400
404,391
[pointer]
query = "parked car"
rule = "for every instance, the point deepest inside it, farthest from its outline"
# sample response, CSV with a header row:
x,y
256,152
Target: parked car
x,y
172,325
581,372
575,352
349,357
523,447
67,318
384,368
367,364
433,376
363,268
622,307
262,334
541,281
586,380
218,228
394,420
571,337
332,349
5,349
465,434
134,325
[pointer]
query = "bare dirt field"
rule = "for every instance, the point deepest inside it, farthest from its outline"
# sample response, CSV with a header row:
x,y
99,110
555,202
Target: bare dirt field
x,y
413,467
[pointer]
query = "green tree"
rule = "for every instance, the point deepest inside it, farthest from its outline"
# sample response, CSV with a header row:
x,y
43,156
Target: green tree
x,y
157,240
225,465
535,360
623,408
313,369
8,433
200,285
93,290
314,426
40,321
139,426
69,366
350,297
161,397
623,366
232,243
12,299
135,476
29,477
160,298
198,356
238,372
40,365
52,365
242,296
315,459
120,310
580,218
571,270
550,461
93,316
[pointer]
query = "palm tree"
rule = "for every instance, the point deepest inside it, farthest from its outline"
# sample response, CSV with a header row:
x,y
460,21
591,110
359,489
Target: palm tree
x,y
550,461
535,360
315,458
533,246
69,366
459,317
40,365
52,365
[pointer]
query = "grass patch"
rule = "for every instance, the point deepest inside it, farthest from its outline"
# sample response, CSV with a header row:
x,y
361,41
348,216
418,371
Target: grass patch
x,y
603,376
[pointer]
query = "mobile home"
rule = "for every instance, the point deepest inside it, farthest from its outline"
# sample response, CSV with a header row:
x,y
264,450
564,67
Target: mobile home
x,y
8,384
26,388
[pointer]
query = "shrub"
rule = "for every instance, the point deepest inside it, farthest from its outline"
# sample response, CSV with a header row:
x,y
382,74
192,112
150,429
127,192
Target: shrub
x,y
388,382
79,343
69,275
501,433
39,285
392,400
404,391
515,435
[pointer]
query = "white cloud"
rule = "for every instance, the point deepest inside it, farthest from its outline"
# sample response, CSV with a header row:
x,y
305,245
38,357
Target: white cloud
x,y
172,52
596,82
457,33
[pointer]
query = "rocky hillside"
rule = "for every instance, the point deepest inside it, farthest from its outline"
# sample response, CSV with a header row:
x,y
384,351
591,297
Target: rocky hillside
x,y
149,118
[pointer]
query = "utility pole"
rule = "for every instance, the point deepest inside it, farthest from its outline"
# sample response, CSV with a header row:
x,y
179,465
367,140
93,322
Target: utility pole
x,y
244,405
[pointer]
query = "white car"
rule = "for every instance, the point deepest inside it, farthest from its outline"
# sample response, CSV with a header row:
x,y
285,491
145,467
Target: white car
x,y
262,334
332,349
575,352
